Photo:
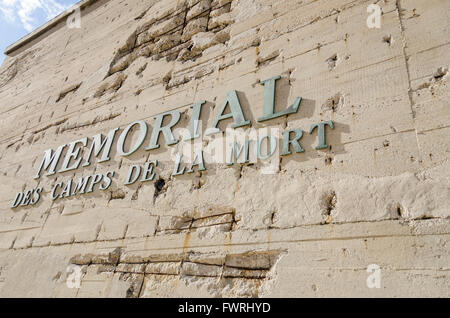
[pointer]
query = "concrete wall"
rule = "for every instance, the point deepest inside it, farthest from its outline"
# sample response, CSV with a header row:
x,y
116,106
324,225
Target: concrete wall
x,y
379,195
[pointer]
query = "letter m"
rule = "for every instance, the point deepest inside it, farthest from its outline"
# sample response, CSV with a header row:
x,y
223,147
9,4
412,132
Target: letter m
x,y
99,144
50,161
236,150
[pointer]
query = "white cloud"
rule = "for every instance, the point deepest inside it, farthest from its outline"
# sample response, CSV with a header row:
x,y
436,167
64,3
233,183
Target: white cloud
x,y
9,14
24,11
9,2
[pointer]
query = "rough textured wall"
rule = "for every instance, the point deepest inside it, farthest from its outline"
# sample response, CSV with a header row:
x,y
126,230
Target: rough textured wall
x,y
379,195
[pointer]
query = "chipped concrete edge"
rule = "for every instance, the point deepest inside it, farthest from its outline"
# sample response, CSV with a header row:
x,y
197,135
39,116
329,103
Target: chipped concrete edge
x,y
47,26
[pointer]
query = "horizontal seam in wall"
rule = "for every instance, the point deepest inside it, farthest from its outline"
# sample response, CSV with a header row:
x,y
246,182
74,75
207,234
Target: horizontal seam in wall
x,y
254,243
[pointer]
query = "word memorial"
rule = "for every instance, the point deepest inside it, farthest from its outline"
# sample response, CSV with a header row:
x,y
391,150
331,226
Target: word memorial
x,y
265,142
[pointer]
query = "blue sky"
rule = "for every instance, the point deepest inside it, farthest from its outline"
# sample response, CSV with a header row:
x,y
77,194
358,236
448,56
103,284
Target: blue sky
x,y
20,17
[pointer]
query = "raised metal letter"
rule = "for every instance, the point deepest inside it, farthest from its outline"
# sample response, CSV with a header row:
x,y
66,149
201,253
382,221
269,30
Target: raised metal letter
x,y
294,142
142,134
166,130
269,101
321,133
236,111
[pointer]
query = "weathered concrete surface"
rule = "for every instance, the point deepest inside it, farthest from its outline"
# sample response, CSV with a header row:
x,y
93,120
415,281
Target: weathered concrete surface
x,y
380,195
